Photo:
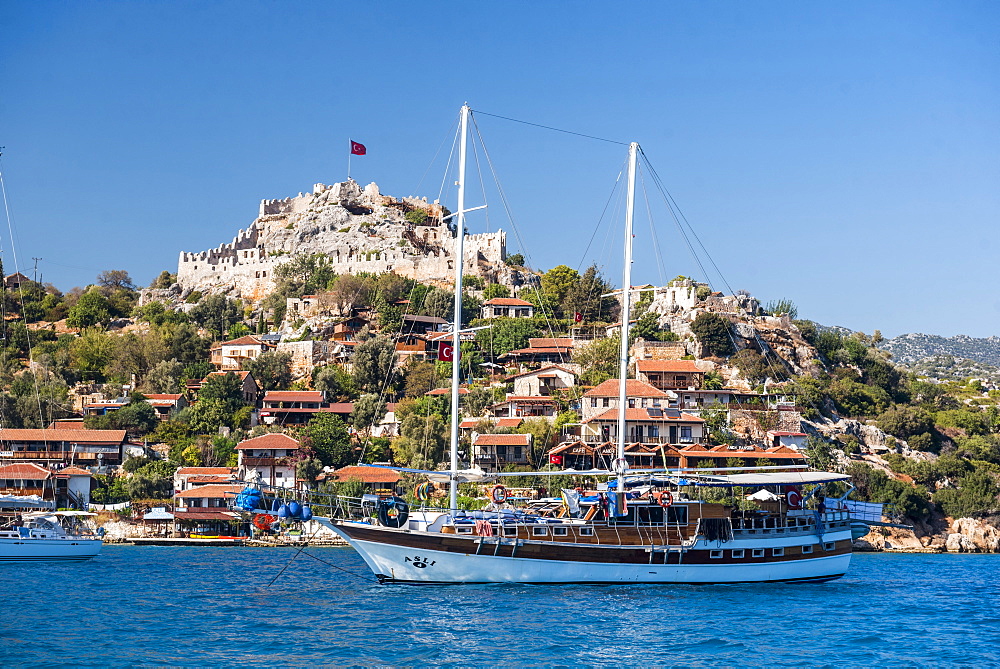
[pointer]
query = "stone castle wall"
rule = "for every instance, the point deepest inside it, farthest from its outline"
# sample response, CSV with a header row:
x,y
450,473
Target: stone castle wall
x,y
359,230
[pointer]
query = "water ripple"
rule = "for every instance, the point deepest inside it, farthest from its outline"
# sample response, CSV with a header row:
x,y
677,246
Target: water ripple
x,y
212,607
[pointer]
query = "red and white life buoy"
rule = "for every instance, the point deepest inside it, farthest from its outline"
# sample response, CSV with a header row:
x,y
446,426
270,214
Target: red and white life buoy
x,y
264,521
664,498
498,494
794,499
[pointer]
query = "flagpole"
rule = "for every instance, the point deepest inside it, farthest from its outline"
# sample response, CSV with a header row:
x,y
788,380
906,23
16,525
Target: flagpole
x,y
349,152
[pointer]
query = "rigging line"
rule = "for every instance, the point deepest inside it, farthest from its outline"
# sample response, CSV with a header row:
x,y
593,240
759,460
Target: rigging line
x,y
447,167
652,230
330,564
549,127
600,220
517,232
764,347
20,291
482,184
288,564
436,154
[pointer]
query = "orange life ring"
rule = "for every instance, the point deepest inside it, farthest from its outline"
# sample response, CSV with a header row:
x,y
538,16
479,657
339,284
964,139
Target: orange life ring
x,y
498,494
263,521
664,498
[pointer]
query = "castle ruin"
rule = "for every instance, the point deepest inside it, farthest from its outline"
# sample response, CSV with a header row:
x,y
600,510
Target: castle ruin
x,y
360,230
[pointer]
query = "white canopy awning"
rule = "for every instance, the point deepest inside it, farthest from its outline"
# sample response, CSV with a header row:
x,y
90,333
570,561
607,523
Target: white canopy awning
x,y
769,478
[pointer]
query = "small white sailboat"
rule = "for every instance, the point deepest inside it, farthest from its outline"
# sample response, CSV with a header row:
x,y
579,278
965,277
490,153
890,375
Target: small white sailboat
x,y
644,526
49,536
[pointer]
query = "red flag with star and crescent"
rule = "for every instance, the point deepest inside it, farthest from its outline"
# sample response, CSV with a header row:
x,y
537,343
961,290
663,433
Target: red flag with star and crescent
x,y
358,149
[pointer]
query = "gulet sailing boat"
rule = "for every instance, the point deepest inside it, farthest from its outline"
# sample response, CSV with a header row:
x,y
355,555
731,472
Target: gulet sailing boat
x,y
642,527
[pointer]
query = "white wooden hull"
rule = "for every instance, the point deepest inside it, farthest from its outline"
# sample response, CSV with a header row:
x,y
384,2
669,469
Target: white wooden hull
x,y
409,564
49,550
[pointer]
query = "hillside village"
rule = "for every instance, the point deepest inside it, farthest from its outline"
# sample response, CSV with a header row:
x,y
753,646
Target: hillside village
x,y
316,341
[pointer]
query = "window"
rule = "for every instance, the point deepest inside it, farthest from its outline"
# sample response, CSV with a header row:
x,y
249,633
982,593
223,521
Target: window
x,y
715,554
758,552
807,549
510,531
738,554
685,433
539,531
607,401
586,531
777,552
631,403
559,531
463,529
829,546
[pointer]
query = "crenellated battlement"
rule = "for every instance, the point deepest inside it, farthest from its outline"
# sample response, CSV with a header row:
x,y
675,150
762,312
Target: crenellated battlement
x,y
360,230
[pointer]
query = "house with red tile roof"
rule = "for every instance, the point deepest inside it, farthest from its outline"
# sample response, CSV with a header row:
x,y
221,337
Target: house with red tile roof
x,y
507,307
542,351
67,487
292,407
49,447
493,452
543,381
670,374
525,406
649,425
377,480
638,394
248,385
190,477
205,509
271,458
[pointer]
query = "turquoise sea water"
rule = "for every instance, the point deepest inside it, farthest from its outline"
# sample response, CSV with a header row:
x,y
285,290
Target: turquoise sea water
x,y
213,607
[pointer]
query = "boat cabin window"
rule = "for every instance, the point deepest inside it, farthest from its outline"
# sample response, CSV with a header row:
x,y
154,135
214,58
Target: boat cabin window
x,y
777,552
463,529
559,531
586,531
715,554
829,546
539,531
758,552
738,553
510,531
807,549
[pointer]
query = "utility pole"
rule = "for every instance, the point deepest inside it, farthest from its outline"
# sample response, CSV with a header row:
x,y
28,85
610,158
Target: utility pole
x,y
35,277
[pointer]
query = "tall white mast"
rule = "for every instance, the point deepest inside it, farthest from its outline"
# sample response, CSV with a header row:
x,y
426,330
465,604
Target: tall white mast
x,y
457,325
620,464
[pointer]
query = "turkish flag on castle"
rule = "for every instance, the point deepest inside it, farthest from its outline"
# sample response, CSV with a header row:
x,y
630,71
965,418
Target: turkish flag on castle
x,y
358,149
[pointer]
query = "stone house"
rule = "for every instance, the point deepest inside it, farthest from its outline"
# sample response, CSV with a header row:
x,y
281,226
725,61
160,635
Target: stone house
x,y
543,381
670,374
493,452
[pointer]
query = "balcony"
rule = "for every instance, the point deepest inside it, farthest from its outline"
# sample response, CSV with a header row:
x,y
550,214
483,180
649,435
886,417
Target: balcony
x,y
35,455
259,462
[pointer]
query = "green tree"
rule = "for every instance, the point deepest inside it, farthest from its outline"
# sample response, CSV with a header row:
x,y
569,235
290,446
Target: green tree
x,y
165,377
495,290
556,284
272,370
976,495
712,332
91,309
598,360
216,313
507,334
585,297
374,364
368,410
327,437
338,385
515,260
420,378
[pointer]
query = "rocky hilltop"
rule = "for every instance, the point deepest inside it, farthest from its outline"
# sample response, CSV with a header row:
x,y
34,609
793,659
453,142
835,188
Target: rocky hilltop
x,y
910,348
359,229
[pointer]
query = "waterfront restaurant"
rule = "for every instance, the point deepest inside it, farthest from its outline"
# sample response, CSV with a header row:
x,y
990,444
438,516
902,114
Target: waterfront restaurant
x,y
85,448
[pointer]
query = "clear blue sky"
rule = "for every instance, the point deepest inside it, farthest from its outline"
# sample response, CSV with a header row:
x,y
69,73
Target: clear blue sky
x,y
841,155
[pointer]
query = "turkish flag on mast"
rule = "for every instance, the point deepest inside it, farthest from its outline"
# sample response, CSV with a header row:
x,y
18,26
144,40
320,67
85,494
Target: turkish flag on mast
x,y
358,149
446,351
577,317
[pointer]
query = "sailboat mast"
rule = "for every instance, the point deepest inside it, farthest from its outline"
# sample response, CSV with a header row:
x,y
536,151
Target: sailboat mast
x,y
457,321
620,464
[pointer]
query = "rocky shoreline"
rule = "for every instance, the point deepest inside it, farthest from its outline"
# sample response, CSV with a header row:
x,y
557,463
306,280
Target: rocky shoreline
x,y
961,535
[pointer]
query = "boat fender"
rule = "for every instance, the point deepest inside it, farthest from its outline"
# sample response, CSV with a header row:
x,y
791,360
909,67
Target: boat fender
x,y
283,511
498,494
294,509
307,512
393,512
664,498
423,491
275,505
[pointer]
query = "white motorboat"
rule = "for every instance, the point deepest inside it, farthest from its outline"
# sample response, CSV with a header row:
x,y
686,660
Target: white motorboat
x,y
44,536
